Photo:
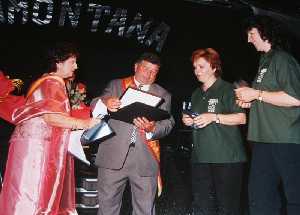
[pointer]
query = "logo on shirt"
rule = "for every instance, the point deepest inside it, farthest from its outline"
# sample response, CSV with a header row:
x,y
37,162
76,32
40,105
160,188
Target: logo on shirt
x,y
212,105
261,75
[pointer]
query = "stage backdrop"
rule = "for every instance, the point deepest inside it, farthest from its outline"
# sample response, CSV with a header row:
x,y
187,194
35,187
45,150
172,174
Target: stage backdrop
x,y
111,35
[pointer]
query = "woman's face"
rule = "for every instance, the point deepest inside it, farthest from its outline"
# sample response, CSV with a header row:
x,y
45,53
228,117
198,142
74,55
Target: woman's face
x,y
203,70
255,38
66,68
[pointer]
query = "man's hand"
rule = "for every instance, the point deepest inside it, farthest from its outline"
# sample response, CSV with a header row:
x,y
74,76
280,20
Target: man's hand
x,y
112,103
144,124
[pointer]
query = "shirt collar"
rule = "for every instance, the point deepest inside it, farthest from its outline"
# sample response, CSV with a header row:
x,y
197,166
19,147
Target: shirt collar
x,y
214,86
145,87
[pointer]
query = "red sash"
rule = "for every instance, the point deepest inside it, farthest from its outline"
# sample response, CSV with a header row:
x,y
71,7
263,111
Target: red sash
x,y
153,145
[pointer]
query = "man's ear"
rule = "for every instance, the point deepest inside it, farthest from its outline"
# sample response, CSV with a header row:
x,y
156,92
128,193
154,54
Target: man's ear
x,y
135,67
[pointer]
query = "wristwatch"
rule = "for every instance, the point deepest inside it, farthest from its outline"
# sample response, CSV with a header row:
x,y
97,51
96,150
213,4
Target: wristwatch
x,y
260,98
217,119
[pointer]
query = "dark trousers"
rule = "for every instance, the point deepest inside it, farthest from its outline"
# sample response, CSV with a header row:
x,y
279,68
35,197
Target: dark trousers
x,y
271,165
216,188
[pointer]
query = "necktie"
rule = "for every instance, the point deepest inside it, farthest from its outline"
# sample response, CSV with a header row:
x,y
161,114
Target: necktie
x,y
134,131
140,87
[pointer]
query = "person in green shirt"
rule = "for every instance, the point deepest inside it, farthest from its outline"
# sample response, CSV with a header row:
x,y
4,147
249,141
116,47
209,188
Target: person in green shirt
x,y
274,123
218,150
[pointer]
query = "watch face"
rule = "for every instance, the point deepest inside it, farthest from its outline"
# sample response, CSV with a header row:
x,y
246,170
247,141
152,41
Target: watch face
x,y
217,119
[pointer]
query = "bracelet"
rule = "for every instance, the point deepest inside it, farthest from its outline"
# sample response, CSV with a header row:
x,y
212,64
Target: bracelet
x,y
260,98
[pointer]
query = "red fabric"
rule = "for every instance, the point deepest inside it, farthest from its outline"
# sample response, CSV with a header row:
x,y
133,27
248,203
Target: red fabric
x,y
6,85
83,112
8,103
39,177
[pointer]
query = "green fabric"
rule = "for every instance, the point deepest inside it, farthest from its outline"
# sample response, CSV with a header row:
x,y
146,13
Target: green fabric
x,y
278,71
217,143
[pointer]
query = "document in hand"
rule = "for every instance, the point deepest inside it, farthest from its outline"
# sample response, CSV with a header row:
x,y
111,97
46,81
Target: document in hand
x,y
136,103
75,147
101,130
132,95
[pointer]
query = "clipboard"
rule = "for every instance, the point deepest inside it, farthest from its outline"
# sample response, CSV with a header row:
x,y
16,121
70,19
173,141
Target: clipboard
x,y
138,109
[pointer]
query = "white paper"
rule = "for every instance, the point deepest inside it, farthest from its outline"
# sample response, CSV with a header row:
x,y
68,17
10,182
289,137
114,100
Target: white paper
x,y
75,147
133,95
99,109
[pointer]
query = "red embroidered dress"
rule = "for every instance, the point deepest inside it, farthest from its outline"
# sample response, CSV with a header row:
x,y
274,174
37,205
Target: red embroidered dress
x,y
39,177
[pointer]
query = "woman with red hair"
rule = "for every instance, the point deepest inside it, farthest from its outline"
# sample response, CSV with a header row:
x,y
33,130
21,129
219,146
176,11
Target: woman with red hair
x,y
218,152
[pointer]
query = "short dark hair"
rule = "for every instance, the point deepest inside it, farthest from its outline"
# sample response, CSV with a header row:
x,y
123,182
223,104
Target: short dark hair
x,y
60,52
150,57
268,29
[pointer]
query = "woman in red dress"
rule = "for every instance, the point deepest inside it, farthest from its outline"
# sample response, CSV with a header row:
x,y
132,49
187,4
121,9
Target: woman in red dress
x,y
39,177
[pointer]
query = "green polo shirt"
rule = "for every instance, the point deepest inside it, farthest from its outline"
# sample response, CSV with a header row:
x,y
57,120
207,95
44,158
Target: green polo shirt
x,y
217,143
278,71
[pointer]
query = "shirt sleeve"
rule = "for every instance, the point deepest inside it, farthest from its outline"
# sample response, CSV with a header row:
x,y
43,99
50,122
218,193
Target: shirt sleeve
x,y
287,73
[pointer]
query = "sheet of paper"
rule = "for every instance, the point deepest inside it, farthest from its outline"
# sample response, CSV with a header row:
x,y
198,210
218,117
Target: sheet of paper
x,y
133,95
99,109
75,147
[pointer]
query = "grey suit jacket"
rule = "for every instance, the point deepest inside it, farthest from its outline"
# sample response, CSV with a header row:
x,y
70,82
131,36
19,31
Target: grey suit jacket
x,y
113,151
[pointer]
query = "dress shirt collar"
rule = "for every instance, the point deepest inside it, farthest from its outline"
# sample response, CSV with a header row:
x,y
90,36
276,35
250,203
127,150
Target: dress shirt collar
x,y
145,87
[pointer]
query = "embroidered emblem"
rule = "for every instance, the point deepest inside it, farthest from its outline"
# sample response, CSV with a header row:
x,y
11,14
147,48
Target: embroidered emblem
x,y
212,105
261,75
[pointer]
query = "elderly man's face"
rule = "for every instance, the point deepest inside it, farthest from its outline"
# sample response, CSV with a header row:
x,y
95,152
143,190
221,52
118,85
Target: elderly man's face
x,y
146,72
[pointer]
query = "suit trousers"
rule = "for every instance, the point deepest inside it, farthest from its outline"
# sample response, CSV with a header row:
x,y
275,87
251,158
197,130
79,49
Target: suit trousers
x,y
216,188
112,183
273,164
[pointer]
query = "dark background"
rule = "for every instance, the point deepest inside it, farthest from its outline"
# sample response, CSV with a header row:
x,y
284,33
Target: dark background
x,y
106,56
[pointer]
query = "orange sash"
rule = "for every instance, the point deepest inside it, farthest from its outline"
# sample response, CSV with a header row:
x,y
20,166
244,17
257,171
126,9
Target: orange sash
x,y
153,145
37,83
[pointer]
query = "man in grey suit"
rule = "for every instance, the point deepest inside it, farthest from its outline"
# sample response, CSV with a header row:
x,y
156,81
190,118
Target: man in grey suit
x,y
130,155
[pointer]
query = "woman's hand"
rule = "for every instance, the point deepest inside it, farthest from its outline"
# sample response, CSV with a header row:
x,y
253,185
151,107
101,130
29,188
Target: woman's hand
x,y
187,120
64,121
243,104
204,119
89,123
246,94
